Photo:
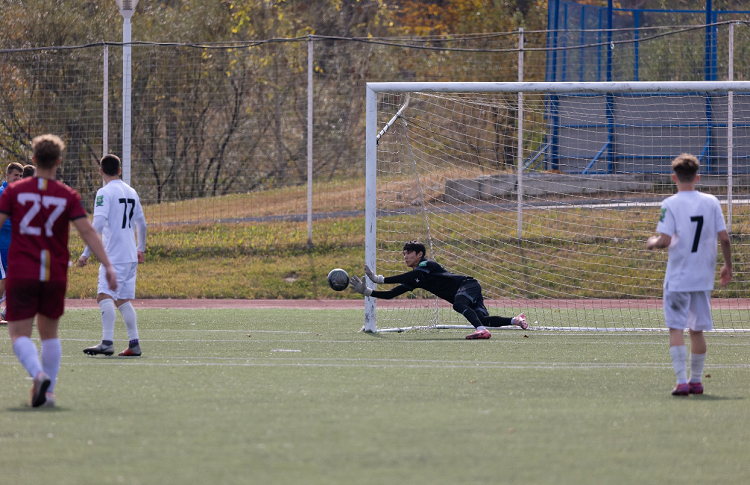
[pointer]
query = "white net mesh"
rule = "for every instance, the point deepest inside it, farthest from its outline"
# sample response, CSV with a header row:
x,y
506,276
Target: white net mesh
x,y
596,167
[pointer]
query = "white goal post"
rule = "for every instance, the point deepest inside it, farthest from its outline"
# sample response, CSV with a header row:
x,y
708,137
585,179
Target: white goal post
x,y
546,192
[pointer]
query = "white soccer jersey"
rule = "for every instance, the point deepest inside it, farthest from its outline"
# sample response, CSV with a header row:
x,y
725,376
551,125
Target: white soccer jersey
x,y
693,220
120,205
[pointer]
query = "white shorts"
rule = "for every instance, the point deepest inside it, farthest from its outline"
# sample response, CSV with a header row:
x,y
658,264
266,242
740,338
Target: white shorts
x,y
125,281
691,309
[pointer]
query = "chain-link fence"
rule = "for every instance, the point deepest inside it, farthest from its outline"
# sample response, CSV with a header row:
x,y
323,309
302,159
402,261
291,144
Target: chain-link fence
x,y
219,132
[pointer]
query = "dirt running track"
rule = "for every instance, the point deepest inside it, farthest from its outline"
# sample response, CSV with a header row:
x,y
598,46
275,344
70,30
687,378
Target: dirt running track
x,y
716,303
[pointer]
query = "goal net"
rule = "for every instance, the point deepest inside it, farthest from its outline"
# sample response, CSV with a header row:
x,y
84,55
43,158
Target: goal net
x,y
546,194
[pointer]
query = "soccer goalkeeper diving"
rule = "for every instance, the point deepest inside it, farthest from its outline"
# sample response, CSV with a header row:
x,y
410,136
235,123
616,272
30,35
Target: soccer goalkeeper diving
x,y
463,292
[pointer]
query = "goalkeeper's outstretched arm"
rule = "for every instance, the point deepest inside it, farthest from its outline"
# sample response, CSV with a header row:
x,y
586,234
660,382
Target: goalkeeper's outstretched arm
x,y
360,287
392,293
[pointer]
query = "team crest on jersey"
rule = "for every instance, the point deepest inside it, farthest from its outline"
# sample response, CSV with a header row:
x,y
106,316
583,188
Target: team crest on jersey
x,y
99,200
423,263
663,213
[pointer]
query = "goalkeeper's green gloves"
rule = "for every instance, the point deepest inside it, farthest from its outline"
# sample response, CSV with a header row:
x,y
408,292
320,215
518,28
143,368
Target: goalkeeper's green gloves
x,y
359,286
375,278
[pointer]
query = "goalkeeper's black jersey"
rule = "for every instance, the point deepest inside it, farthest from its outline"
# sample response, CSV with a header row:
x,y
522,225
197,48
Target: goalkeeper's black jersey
x,y
428,275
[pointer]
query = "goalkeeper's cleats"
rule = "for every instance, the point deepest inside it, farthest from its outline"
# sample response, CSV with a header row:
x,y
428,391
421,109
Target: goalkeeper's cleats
x,y
521,321
39,390
131,351
102,348
479,334
695,388
681,390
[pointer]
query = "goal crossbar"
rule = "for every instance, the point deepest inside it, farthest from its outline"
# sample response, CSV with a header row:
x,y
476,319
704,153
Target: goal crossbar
x,y
560,87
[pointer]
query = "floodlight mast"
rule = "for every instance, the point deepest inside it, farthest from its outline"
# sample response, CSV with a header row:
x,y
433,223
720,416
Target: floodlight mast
x,y
127,8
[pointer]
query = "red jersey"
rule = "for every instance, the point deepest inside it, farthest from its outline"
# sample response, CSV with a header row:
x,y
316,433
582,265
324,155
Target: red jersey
x,y
40,211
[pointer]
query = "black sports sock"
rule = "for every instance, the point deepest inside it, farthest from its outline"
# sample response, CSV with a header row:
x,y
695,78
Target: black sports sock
x,y
463,306
495,321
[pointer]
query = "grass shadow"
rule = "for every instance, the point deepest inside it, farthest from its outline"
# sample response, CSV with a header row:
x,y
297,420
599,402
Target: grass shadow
x,y
373,334
29,409
712,397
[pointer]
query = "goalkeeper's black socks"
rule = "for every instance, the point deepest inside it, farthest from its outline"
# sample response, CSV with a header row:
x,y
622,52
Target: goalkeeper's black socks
x,y
495,321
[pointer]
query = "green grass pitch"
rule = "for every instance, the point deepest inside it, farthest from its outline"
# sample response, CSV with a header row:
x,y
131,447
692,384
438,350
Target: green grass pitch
x,y
300,397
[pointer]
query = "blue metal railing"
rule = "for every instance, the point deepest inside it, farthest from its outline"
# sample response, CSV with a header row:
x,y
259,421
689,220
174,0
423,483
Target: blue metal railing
x,y
561,20
616,160
603,22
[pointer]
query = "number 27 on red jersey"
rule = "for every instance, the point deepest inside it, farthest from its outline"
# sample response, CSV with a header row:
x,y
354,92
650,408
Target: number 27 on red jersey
x,y
38,201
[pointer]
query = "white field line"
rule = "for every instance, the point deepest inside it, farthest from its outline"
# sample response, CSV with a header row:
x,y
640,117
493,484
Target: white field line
x,y
345,361
457,340
194,359
399,365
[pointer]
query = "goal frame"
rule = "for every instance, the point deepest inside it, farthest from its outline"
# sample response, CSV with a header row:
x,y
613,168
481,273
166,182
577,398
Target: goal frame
x,y
371,124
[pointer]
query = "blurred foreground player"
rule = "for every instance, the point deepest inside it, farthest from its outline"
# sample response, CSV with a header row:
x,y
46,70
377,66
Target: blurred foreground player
x,y
41,209
117,214
12,174
464,292
689,225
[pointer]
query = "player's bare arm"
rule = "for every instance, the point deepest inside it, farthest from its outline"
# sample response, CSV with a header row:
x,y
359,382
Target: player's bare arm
x,y
658,242
140,231
98,224
91,238
726,252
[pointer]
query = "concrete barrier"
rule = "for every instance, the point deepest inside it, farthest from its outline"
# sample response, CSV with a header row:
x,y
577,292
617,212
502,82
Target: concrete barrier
x,y
534,184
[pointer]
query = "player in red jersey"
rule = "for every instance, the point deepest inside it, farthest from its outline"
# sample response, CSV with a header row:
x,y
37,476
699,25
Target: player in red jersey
x,y
40,209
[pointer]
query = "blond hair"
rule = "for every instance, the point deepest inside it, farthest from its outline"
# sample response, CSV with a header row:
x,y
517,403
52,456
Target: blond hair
x,y
685,167
47,150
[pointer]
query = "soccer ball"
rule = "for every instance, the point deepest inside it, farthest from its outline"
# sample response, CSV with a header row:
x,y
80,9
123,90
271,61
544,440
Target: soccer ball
x,y
338,279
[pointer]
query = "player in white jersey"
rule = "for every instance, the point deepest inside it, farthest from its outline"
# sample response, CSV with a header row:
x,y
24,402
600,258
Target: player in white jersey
x,y
117,216
690,225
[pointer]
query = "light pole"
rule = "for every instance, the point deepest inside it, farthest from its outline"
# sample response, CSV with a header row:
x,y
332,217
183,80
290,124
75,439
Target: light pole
x,y
127,7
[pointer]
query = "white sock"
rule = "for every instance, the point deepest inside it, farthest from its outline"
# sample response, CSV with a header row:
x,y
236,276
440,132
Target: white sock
x,y
481,328
513,321
696,367
51,356
28,355
131,321
679,362
108,319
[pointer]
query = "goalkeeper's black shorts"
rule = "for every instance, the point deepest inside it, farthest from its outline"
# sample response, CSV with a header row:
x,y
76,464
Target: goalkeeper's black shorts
x,y
471,289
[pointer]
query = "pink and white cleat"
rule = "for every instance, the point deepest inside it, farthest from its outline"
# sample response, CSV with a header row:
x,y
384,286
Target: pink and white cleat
x,y
695,388
479,334
520,320
681,390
